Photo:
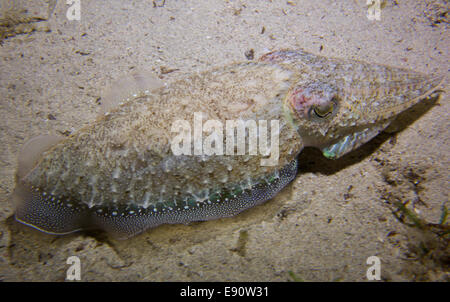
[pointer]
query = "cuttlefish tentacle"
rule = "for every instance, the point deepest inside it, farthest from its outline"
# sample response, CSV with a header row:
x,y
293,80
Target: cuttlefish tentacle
x,y
120,173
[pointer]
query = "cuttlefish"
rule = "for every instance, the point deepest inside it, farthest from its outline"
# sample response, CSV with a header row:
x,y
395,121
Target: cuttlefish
x,y
120,173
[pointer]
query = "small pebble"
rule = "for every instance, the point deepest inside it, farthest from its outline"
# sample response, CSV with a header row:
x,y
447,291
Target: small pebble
x,y
250,54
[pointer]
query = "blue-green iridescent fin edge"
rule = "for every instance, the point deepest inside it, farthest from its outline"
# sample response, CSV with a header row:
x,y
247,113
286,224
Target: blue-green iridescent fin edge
x,y
53,215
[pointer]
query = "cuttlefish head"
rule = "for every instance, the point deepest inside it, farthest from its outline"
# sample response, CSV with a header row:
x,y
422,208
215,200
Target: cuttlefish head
x,y
338,114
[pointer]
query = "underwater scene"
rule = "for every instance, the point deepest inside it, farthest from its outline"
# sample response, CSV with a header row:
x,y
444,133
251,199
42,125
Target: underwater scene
x,y
224,141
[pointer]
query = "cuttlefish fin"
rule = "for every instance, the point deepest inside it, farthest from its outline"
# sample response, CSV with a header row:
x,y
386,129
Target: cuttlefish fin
x,y
35,207
136,83
32,151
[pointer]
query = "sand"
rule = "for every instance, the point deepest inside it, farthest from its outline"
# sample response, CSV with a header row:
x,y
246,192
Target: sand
x,y
322,227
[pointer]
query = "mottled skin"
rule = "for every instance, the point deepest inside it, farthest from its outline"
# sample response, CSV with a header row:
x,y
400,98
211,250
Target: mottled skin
x,y
119,173
365,97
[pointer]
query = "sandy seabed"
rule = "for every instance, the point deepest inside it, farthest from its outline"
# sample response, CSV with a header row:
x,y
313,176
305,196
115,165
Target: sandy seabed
x,y
322,227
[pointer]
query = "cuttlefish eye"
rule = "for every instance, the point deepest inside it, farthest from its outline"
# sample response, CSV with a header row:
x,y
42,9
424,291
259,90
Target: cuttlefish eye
x,y
316,101
323,111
